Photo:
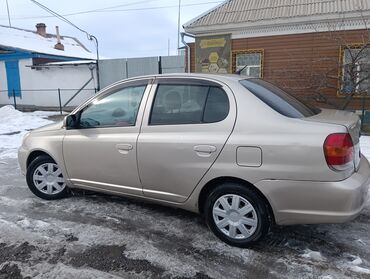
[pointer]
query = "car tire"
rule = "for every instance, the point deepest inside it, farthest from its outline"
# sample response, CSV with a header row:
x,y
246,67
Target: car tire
x,y
236,214
45,179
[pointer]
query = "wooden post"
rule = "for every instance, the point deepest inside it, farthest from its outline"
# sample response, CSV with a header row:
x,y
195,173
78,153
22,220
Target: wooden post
x,y
14,98
363,112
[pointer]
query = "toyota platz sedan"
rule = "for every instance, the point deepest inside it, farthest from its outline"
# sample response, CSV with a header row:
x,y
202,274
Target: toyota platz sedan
x,y
240,151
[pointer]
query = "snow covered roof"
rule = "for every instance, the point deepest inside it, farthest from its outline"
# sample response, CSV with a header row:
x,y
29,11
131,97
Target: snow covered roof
x,y
27,40
252,13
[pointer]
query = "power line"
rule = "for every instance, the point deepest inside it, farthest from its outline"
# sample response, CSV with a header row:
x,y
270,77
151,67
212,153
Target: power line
x,y
89,36
55,14
178,27
143,9
123,5
103,10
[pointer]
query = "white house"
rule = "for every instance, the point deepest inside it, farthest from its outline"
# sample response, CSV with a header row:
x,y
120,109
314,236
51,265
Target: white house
x,y
35,64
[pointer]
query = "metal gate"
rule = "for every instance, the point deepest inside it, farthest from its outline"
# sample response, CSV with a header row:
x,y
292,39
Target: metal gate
x,y
112,70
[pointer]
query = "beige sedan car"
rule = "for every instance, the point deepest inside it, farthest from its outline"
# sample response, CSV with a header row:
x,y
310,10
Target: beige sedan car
x,y
240,151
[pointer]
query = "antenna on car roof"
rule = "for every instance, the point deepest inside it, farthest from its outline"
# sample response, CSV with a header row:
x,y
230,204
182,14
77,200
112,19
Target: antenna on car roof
x,y
238,72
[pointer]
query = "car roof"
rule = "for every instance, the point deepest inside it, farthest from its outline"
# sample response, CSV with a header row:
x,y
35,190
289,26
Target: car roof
x,y
218,77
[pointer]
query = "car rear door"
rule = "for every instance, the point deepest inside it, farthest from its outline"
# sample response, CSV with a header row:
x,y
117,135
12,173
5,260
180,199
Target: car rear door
x,y
101,152
185,126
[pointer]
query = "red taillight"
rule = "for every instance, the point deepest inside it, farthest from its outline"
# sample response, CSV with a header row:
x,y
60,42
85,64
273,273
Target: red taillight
x,y
338,149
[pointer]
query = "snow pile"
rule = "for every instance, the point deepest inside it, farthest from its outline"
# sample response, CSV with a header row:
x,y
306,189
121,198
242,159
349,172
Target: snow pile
x,y
356,261
359,269
354,266
14,124
313,255
365,146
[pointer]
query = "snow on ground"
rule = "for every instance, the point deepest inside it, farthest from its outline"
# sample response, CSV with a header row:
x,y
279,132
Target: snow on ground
x,y
14,124
365,146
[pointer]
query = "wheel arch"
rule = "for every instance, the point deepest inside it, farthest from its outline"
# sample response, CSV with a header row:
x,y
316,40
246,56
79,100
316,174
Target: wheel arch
x,y
36,153
207,188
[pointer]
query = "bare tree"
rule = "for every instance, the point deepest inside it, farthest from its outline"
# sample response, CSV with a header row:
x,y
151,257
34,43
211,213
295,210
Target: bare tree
x,y
355,78
349,74
321,78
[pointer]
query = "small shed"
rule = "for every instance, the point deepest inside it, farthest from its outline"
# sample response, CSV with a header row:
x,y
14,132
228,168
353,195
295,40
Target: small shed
x,y
35,64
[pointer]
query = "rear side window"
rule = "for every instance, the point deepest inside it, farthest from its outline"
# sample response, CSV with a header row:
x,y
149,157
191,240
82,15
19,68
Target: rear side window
x,y
217,106
188,104
278,99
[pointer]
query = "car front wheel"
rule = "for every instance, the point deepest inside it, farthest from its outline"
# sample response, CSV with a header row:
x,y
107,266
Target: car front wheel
x,y
45,179
236,214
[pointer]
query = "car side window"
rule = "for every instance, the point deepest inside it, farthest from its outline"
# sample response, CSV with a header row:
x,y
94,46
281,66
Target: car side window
x,y
217,106
118,109
277,99
188,104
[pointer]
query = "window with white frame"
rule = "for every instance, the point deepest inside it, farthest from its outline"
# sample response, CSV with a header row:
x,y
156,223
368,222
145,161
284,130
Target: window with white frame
x,y
356,70
250,61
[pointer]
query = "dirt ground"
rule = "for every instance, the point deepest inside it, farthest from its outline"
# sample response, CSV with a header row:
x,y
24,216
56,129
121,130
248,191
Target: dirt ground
x,y
97,236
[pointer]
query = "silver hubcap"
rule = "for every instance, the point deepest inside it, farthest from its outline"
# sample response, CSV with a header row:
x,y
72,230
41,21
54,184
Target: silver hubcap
x,y
48,179
235,216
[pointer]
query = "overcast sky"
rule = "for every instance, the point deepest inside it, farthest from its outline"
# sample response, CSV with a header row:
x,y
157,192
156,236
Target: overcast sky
x,y
133,28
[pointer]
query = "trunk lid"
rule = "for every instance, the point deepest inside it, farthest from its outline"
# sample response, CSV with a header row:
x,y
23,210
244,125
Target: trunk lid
x,y
347,119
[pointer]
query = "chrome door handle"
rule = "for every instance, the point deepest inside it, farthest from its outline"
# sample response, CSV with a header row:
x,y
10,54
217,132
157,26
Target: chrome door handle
x,y
205,149
124,148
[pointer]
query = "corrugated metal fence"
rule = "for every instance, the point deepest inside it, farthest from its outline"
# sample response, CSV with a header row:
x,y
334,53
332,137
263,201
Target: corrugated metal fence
x,y
112,70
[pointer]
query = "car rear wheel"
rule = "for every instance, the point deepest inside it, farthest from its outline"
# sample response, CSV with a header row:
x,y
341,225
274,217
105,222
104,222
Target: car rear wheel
x,y
45,179
236,214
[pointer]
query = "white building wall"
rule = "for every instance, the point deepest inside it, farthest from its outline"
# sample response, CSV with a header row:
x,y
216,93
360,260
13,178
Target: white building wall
x,y
40,86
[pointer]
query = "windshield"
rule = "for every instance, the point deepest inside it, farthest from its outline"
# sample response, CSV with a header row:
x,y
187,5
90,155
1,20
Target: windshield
x,y
278,99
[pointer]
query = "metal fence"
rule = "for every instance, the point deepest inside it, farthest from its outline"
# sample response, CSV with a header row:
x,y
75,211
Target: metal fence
x,y
51,99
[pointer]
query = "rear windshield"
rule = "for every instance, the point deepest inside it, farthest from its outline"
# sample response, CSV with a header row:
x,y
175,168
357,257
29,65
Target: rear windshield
x,y
278,99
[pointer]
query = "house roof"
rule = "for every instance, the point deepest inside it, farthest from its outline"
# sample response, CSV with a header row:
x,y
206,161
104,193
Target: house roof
x,y
17,38
251,13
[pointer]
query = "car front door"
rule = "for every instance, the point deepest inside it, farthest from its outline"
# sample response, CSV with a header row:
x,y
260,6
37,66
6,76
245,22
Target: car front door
x,y
185,126
100,152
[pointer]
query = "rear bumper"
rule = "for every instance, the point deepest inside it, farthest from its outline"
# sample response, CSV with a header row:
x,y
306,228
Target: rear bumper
x,y
308,202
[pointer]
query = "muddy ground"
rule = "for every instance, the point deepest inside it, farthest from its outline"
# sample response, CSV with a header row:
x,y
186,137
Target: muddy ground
x,y
98,236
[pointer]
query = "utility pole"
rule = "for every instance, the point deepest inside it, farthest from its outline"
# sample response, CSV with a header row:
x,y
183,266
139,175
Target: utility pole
x,y
169,45
7,7
178,28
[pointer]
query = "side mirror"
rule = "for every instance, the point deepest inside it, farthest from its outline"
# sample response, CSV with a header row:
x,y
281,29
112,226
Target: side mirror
x,y
70,121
